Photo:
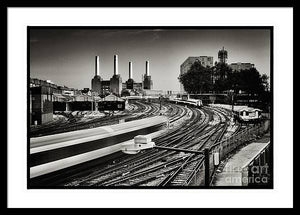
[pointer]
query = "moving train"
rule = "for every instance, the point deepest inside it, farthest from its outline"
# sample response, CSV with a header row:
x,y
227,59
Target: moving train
x,y
60,151
190,102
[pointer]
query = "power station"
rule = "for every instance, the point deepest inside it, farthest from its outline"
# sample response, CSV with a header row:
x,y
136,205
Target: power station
x,y
147,82
130,81
115,84
97,80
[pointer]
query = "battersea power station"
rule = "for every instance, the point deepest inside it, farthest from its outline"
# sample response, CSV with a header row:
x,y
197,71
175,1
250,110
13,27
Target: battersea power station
x,y
115,84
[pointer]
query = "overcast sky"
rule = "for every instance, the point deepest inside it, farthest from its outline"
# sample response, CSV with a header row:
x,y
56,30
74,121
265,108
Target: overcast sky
x,y
67,56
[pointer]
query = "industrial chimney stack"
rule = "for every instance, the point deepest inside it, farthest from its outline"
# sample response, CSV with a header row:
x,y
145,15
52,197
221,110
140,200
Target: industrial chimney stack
x,y
130,70
116,80
97,66
147,68
116,72
97,80
147,82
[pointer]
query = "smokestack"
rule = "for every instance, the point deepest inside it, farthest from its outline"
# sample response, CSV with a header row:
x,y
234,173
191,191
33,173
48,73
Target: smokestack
x,y
130,70
147,68
116,65
97,66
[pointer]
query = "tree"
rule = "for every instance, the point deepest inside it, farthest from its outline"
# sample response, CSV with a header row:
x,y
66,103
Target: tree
x,y
221,73
197,79
251,81
222,70
264,80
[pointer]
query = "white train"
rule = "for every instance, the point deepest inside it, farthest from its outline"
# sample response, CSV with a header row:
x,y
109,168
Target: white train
x,y
60,151
189,102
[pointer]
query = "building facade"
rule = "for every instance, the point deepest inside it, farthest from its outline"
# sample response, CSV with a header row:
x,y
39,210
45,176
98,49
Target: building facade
x,y
41,105
241,66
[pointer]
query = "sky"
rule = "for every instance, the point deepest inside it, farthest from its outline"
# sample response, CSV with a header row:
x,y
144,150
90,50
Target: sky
x,y
67,56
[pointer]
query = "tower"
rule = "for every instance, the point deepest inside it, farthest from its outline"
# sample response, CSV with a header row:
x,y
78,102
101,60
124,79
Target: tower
x,y
116,80
222,55
147,82
129,82
96,81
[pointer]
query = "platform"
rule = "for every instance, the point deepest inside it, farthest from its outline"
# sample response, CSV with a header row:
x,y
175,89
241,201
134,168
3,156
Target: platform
x,y
231,174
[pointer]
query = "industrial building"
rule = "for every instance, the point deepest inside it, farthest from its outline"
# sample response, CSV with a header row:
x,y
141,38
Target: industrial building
x,y
112,103
96,81
116,80
103,87
41,105
147,82
129,83
46,97
115,85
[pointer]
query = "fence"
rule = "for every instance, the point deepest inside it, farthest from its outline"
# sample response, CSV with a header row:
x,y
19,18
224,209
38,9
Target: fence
x,y
257,172
220,150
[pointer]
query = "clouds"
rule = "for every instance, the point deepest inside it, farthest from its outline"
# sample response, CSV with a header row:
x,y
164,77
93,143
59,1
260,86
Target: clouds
x,y
166,49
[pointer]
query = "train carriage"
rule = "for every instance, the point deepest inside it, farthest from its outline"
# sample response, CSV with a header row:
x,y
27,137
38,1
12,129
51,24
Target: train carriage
x,y
189,102
59,151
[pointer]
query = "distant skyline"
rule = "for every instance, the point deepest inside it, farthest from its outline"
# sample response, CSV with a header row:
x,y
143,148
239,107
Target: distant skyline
x,y
67,56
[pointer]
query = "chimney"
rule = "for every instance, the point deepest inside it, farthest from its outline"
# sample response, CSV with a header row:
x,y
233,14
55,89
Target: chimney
x,y
97,66
147,68
130,70
116,65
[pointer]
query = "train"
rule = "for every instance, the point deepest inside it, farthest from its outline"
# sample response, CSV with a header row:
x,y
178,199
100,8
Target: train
x,y
189,102
58,152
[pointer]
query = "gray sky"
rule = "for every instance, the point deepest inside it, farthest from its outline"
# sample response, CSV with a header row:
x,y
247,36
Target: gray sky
x,y
67,56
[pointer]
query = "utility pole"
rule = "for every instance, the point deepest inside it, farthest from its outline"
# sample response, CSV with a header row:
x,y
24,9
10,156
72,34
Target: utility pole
x,y
160,102
232,104
206,166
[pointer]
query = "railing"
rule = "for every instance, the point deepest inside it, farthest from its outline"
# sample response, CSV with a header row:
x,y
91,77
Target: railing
x,y
222,149
257,171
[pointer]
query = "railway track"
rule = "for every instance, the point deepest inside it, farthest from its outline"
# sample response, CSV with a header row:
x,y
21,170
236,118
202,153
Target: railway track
x,y
191,129
138,110
140,159
176,174
154,165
